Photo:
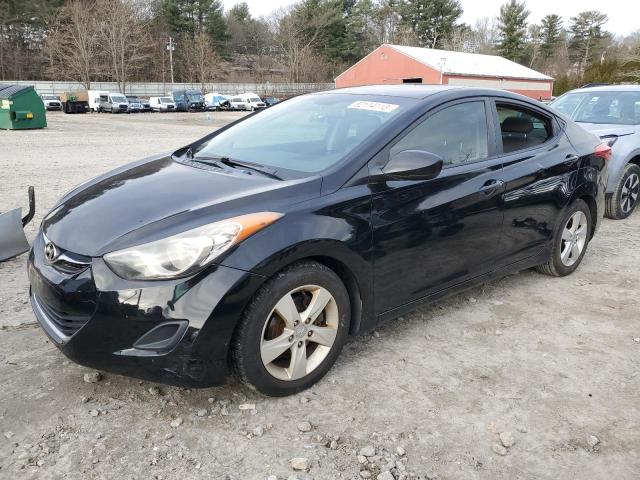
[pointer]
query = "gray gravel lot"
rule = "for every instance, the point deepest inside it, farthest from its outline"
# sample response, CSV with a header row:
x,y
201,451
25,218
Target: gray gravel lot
x,y
548,366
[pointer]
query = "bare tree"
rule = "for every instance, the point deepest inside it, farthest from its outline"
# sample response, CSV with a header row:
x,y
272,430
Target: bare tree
x,y
72,43
296,41
203,61
124,39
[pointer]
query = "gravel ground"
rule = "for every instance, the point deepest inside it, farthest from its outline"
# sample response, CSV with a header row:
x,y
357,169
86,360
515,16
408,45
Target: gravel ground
x,y
530,377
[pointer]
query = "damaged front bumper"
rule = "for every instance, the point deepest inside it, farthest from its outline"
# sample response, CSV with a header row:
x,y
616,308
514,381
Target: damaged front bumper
x,y
13,241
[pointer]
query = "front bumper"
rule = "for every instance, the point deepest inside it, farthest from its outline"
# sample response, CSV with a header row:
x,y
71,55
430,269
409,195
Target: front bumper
x,y
98,319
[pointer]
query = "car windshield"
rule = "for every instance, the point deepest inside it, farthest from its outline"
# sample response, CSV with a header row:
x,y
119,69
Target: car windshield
x,y
612,107
118,98
133,99
306,134
166,100
195,97
50,97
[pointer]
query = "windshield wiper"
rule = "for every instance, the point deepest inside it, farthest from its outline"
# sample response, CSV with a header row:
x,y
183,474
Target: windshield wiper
x,y
229,162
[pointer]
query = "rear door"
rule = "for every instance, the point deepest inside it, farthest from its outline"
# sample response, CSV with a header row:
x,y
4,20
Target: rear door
x,y
538,162
433,234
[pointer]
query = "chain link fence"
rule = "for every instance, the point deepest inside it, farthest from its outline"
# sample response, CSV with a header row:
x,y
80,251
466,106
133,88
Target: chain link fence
x,y
160,88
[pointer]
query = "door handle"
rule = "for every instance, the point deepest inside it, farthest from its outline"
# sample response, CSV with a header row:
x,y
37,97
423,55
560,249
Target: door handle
x,y
571,159
491,187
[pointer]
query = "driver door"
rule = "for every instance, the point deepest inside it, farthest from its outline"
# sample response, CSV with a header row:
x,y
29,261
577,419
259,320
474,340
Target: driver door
x,y
429,235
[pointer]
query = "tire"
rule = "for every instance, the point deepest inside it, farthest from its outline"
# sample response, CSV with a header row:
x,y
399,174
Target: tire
x,y
558,265
261,322
621,203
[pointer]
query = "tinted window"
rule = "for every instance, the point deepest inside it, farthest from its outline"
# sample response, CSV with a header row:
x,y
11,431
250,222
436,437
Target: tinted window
x,y
458,134
308,133
522,129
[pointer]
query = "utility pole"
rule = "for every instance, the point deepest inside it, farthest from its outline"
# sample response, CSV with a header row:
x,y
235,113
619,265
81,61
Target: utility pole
x,y
171,47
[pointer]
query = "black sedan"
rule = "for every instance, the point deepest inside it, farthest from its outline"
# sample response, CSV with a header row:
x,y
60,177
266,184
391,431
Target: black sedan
x,y
263,246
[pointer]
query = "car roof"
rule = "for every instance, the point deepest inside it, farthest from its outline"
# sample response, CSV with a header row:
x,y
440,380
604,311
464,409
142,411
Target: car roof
x,y
404,90
609,88
421,91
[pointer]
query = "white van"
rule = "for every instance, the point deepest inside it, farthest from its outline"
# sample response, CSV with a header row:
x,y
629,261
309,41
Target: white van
x,y
162,104
94,99
246,101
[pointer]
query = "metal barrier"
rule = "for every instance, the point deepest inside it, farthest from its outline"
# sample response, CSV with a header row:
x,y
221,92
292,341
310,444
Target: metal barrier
x,y
159,88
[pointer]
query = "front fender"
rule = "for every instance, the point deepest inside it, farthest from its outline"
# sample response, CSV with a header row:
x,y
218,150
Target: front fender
x,y
335,230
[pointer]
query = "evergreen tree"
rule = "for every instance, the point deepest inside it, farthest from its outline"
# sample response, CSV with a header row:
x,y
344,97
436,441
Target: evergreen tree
x,y
512,30
432,21
240,12
587,35
187,17
360,37
551,30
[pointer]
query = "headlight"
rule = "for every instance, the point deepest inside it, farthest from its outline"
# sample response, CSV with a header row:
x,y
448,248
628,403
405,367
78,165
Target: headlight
x,y
186,253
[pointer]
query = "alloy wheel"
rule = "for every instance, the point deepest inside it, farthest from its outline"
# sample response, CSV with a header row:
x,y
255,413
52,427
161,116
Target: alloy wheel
x,y
299,332
629,193
574,238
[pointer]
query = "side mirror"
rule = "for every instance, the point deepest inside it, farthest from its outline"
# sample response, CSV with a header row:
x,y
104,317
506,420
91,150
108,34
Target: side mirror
x,y
413,165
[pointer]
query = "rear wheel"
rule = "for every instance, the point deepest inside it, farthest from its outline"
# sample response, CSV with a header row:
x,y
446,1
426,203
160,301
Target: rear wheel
x,y
293,330
622,202
570,241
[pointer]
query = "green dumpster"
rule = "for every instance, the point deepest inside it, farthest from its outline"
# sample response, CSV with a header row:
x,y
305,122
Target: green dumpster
x,y
21,107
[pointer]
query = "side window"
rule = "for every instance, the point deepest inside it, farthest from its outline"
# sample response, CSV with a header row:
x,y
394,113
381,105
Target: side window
x,y
521,128
458,134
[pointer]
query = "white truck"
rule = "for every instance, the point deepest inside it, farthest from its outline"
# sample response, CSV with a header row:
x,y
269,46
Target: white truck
x,y
94,99
51,102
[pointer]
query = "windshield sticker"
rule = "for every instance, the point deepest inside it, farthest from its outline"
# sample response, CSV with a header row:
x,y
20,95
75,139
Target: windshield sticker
x,y
374,106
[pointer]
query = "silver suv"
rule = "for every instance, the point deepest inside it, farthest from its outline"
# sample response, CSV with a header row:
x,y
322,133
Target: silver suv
x,y
613,113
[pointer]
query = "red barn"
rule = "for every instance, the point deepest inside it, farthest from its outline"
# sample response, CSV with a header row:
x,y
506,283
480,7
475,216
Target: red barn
x,y
393,64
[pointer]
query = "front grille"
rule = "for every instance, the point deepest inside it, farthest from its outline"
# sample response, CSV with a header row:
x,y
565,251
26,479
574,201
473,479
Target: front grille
x,y
68,265
65,322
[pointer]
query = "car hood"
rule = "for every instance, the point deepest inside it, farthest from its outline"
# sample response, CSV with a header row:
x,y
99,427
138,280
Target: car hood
x,y
156,198
603,129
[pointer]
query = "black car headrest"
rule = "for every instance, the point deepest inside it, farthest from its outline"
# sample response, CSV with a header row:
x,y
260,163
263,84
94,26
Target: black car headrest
x,y
517,125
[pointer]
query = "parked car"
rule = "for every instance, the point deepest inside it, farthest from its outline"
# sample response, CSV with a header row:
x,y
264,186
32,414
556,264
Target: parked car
x,y
216,101
162,104
114,103
135,105
246,101
146,106
271,101
51,102
189,100
612,113
265,244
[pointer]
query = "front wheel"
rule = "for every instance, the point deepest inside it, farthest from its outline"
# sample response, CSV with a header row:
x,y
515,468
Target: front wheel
x,y
293,330
570,241
622,202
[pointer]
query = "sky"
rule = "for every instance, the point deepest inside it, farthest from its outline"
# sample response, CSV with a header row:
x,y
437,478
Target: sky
x,y
623,14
